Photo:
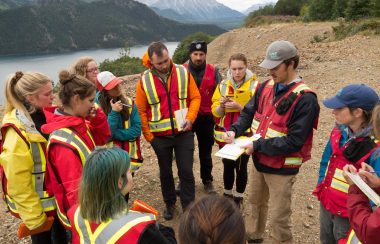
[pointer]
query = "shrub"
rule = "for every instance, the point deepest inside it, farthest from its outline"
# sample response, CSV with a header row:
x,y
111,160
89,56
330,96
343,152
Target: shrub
x,y
181,53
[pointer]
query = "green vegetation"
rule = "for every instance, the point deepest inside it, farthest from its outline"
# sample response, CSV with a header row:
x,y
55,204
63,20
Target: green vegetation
x,y
316,10
124,65
75,25
350,28
181,53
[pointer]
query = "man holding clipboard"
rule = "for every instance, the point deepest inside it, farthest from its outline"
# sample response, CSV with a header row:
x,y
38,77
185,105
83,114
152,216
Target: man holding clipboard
x,y
162,90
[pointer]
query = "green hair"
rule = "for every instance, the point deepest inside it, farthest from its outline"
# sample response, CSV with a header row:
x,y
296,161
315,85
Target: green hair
x,y
100,197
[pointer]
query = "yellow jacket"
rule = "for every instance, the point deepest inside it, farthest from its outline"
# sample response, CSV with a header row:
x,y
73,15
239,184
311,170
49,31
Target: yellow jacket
x,y
17,162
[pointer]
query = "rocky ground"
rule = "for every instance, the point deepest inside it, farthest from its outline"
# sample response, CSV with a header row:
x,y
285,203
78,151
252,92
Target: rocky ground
x,y
325,66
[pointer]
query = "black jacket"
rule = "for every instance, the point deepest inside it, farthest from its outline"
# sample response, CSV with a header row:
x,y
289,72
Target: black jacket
x,y
300,125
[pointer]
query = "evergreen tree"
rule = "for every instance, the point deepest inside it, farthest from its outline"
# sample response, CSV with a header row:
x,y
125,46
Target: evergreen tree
x,y
321,9
339,8
289,7
357,9
181,53
375,8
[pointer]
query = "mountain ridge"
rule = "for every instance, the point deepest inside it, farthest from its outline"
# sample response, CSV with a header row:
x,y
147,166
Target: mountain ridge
x,y
75,25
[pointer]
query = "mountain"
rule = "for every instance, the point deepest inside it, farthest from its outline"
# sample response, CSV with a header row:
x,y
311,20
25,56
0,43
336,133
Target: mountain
x,y
75,25
8,4
197,11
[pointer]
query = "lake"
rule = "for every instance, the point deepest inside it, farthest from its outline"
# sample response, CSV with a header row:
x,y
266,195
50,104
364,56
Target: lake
x,y
51,64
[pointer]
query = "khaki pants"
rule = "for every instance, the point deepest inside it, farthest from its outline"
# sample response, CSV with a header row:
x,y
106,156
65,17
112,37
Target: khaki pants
x,y
277,190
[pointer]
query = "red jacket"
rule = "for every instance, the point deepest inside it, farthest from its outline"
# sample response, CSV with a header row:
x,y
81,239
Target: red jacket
x,y
64,168
365,222
206,88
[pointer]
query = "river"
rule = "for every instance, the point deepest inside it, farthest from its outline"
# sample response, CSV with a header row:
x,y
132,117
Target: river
x,y
51,64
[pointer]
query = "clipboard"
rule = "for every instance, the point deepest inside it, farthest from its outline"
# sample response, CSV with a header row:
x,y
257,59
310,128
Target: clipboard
x,y
233,150
371,194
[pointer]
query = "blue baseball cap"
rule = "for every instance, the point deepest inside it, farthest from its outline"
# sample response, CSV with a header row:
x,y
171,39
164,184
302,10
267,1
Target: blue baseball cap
x,y
353,96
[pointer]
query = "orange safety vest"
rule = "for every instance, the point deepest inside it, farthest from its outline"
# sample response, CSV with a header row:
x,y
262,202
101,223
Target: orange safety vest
x,y
206,89
38,152
241,95
332,192
69,138
129,226
163,101
131,146
269,124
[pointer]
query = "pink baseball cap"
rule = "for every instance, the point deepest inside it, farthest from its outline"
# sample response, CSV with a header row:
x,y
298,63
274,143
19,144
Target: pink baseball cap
x,y
106,81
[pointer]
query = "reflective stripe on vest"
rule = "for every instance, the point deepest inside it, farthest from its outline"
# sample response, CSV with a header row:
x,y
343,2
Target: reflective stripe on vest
x,y
68,136
63,218
338,182
48,204
110,231
38,176
154,101
293,161
352,238
218,135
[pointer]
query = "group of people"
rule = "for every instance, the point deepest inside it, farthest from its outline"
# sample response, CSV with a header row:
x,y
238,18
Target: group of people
x,y
76,161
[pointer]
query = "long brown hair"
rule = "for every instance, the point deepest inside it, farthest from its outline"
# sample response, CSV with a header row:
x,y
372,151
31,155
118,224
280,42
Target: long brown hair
x,y
71,85
80,66
104,102
376,121
212,220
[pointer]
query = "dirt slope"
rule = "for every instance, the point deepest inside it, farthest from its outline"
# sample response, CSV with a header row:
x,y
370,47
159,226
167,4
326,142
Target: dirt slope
x,y
326,67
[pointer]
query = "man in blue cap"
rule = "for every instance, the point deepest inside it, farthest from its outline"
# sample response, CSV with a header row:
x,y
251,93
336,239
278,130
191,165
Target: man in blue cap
x,y
284,111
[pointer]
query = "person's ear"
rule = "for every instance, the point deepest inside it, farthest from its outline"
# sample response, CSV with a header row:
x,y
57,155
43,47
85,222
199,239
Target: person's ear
x,y
358,112
75,99
120,183
31,99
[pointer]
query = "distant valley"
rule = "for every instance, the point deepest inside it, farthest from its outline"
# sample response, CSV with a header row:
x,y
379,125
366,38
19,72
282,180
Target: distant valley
x,y
66,25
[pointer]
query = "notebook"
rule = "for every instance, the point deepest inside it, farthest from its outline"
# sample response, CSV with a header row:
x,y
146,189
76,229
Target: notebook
x,y
371,194
233,151
180,118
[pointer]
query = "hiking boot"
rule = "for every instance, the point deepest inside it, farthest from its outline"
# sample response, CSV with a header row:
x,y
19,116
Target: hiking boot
x,y
169,212
228,196
209,187
260,240
238,201
178,189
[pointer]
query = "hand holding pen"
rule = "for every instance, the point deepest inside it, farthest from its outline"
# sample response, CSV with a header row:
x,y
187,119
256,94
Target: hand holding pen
x,y
366,172
228,136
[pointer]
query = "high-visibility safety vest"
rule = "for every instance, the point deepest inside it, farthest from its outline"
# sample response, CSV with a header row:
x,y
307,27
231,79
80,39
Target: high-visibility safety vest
x,y
241,95
38,152
206,89
350,239
269,124
163,101
70,139
129,226
131,146
332,192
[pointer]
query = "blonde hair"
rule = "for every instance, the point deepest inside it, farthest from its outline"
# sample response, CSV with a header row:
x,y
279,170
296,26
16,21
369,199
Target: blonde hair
x,y
20,85
80,66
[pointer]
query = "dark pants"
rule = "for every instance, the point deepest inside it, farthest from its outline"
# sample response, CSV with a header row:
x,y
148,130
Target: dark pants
x,y
183,146
240,166
57,234
332,227
204,129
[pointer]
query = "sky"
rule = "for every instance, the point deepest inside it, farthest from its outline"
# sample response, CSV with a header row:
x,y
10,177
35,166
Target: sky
x,y
241,5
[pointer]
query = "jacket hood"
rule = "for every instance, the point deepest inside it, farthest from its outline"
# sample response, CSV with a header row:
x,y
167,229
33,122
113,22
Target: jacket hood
x,y
55,121
19,119
248,75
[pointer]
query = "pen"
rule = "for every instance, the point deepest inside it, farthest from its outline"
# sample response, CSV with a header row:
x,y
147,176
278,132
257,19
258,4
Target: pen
x,y
225,130
126,105
374,172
